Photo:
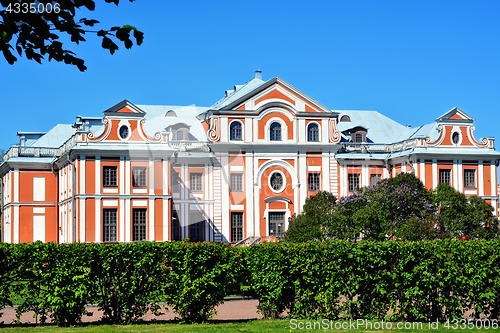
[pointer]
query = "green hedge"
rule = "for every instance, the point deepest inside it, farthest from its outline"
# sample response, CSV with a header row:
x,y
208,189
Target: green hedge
x,y
410,281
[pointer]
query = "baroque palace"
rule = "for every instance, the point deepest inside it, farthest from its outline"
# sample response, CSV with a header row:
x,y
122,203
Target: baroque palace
x,y
235,171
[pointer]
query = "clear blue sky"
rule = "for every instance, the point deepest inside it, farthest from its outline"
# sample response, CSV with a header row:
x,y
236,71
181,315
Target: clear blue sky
x,y
410,60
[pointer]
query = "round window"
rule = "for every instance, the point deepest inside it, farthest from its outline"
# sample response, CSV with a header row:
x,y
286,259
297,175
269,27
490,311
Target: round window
x,y
124,132
276,181
455,137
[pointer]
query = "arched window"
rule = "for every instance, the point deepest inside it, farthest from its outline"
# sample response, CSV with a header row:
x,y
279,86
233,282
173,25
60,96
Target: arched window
x,y
235,131
313,133
345,118
180,135
275,132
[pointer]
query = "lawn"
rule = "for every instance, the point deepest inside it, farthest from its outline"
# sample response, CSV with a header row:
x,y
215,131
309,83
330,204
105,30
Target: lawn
x,y
282,325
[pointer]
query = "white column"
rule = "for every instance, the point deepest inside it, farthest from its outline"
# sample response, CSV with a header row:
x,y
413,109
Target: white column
x,y
166,212
422,171
127,176
122,175
97,175
434,174
128,220
121,221
151,176
151,211
82,218
16,224
480,175
98,220
325,172
365,175
226,205
249,211
493,178
455,175
257,210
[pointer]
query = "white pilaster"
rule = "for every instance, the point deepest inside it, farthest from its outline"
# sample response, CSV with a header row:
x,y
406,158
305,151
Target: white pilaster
x,y
82,218
225,199
127,177
422,171
151,176
302,178
98,220
151,221
97,176
128,220
249,211
121,221
434,174
325,172
122,175
480,173
455,175
16,224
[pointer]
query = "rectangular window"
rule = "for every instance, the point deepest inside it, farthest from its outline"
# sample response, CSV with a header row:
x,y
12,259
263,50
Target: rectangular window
x,y
375,178
109,225
276,224
313,181
176,181
237,182
139,176
139,224
196,226
353,180
236,227
109,176
445,176
470,178
195,181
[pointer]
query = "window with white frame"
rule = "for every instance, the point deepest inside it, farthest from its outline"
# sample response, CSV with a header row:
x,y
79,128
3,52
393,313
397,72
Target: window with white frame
x,y
109,225
236,226
445,176
109,176
139,224
236,182
235,131
275,132
353,179
313,181
313,133
470,178
139,176
179,135
195,181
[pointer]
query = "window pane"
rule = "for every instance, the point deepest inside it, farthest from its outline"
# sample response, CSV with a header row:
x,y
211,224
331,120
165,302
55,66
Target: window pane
x,y
312,133
109,176
235,131
375,178
139,224
276,224
275,132
175,182
176,226
236,227
314,181
236,182
195,181
196,227
180,135
109,225
139,176
445,176
470,178
353,180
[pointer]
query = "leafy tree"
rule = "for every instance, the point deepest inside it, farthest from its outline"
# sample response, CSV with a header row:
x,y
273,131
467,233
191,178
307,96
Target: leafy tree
x,y
461,217
344,224
309,224
35,27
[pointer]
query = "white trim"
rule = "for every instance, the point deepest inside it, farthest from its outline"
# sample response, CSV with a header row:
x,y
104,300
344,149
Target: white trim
x,y
284,130
313,168
234,168
237,207
140,190
422,171
434,174
226,219
480,175
110,203
98,175
126,123
455,175
109,190
38,210
493,178
152,236
151,179
16,185
139,203
82,219
128,221
249,216
127,173
320,136
122,175
325,175
165,220
470,192
38,228
283,186
16,224
98,220
38,188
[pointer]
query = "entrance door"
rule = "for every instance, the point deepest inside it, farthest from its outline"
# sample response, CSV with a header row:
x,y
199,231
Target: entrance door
x,y
276,224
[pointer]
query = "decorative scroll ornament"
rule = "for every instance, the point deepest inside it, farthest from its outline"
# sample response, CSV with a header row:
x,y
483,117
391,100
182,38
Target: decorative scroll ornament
x,y
441,137
334,133
91,135
214,130
157,137
485,141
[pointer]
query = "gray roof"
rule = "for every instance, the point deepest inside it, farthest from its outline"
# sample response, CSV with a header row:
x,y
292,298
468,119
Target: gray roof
x,y
381,129
157,122
237,92
55,137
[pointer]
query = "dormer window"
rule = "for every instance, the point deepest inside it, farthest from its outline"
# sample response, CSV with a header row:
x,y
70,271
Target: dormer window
x,y
312,133
180,132
345,118
275,132
358,135
179,136
171,113
235,131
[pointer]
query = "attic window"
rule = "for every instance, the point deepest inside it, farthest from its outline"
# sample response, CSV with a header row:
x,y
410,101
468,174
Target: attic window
x,y
345,118
358,135
171,113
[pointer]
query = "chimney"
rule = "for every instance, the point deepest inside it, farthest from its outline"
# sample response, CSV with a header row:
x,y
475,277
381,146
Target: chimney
x,y
258,74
